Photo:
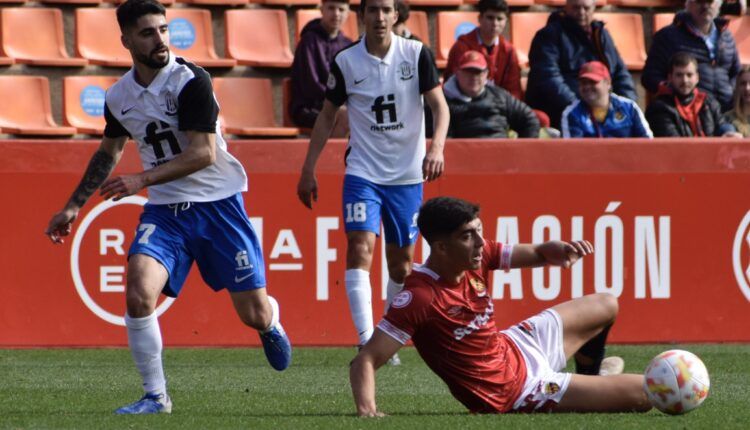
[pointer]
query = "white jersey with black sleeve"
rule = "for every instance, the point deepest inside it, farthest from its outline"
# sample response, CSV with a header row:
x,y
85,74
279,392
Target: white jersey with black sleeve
x,y
158,117
385,107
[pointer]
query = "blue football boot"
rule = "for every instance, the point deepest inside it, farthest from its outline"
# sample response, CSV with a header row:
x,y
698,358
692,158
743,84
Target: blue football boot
x,y
149,404
277,347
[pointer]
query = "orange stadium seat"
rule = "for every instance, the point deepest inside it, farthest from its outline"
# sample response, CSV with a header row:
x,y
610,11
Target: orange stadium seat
x,y
626,30
258,37
662,20
83,102
191,36
512,3
248,119
164,2
740,27
30,112
34,35
417,24
72,2
523,27
303,16
98,38
289,2
642,3
451,25
436,3
215,2
560,3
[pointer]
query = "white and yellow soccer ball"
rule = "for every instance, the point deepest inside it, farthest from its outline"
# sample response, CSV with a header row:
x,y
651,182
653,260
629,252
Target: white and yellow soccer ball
x,y
676,382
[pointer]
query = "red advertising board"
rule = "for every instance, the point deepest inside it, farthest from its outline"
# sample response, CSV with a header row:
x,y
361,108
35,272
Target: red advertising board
x,y
670,221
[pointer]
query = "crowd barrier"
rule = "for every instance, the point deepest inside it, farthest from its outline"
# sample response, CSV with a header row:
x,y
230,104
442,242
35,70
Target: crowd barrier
x,y
670,221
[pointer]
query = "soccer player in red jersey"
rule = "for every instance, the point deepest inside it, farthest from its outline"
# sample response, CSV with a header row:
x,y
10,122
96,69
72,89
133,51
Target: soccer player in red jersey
x,y
447,312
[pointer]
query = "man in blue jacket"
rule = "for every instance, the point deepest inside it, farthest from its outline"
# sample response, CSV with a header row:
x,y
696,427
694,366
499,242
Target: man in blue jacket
x,y
600,113
571,38
699,32
319,42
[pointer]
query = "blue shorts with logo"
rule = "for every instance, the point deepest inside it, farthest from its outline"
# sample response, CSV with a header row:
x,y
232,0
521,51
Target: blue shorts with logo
x,y
216,235
366,203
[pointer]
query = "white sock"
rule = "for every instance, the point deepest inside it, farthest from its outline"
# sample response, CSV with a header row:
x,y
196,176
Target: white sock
x,y
359,292
275,316
391,290
144,339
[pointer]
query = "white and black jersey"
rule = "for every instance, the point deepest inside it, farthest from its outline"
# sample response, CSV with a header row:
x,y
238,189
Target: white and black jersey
x,y
158,117
385,107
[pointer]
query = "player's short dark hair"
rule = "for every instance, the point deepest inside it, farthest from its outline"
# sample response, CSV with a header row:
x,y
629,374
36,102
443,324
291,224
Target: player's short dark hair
x,y
363,6
131,11
441,216
402,7
497,5
334,1
681,59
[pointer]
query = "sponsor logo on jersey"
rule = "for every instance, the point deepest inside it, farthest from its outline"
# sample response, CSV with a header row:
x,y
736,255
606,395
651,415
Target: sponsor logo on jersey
x,y
619,116
479,320
551,388
401,299
527,327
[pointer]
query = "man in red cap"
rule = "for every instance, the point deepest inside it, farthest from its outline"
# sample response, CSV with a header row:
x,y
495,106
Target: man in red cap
x,y
599,112
481,110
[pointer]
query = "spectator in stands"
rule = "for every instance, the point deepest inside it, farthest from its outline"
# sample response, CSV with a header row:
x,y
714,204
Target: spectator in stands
x,y
599,113
699,31
399,27
680,109
571,38
481,110
319,42
504,68
739,116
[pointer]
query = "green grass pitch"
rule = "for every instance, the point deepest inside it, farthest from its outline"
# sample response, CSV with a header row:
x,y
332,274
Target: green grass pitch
x,y
235,388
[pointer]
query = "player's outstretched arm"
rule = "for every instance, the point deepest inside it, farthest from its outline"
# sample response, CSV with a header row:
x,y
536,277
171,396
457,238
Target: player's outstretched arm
x,y
100,166
553,253
374,354
307,187
434,162
200,154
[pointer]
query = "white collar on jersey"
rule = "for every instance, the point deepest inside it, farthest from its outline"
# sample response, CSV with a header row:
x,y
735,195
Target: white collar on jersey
x,y
159,80
421,268
388,59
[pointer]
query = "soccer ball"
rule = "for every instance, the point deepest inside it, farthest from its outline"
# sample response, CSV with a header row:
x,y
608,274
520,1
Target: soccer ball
x,y
676,382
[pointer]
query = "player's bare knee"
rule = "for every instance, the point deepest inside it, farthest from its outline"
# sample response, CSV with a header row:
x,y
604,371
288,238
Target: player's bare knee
x,y
358,254
608,307
138,304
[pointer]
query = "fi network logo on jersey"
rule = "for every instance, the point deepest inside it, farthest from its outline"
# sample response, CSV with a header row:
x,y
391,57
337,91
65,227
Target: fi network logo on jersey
x,y
244,268
740,254
385,105
98,258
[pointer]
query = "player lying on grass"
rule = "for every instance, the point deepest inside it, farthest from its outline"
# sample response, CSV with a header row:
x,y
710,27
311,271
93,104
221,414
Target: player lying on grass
x,y
446,311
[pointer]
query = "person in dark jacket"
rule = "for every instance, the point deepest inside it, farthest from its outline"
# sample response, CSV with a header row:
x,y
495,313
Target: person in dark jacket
x,y
319,42
697,30
571,38
680,109
481,110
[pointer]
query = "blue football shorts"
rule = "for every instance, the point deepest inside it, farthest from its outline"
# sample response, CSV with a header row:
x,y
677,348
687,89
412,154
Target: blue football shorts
x,y
365,203
217,235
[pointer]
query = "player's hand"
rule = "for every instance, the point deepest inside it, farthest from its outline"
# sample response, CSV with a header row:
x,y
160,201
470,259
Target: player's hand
x,y
60,225
307,189
565,254
121,186
433,165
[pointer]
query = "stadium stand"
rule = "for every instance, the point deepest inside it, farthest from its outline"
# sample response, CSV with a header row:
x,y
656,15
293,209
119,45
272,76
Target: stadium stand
x,y
626,30
31,112
560,3
258,37
72,2
215,2
642,3
83,102
248,119
511,3
44,46
661,20
350,28
289,2
740,27
418,25
98,37
191,36
523,27
435,3
451,25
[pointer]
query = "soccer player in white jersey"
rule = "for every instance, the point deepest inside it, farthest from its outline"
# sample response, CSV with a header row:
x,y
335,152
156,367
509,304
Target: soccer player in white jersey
x,y
195,209
382,79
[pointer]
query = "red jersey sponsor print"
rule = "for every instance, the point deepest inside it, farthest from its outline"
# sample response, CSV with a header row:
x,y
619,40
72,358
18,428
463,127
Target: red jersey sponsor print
x,y
453,329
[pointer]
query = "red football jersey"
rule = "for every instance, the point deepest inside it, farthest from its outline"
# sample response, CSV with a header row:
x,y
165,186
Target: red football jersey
x,y
453,329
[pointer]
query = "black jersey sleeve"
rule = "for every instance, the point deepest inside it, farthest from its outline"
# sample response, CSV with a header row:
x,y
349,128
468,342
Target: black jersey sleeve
x,y
336,86
197,108
428,74
113,128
